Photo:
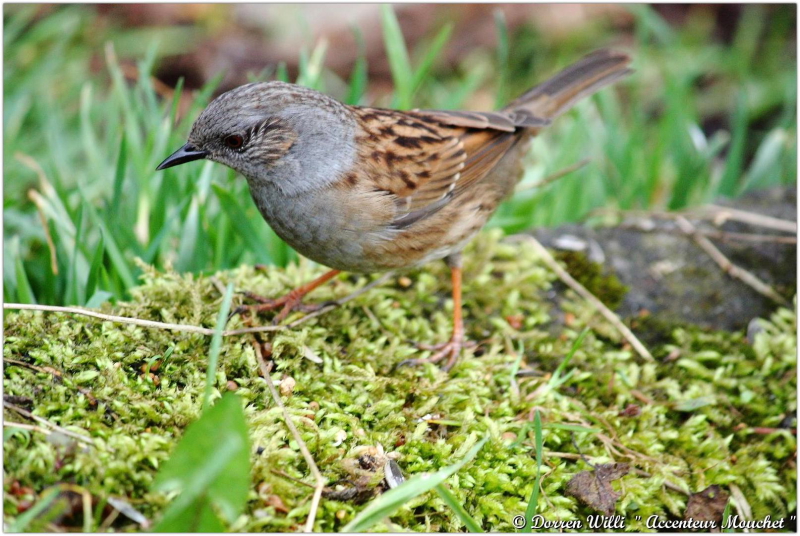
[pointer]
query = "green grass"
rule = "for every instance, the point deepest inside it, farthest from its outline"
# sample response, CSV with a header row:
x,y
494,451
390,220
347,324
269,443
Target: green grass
x,y
81,146
151,436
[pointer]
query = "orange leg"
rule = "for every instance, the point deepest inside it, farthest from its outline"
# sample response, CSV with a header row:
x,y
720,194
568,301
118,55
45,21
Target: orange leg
x,y
287,302
452,348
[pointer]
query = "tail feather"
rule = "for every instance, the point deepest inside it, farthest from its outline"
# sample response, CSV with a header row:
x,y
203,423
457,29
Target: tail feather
x,y
555,96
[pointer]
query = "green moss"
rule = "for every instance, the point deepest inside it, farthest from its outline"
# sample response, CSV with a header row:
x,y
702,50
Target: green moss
x,y
696,431
607,287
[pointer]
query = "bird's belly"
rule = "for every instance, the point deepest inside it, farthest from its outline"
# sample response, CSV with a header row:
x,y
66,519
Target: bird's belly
x,y
323,229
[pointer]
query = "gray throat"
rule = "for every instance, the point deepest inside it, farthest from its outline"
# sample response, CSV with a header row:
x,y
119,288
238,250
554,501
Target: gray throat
x,y
324,150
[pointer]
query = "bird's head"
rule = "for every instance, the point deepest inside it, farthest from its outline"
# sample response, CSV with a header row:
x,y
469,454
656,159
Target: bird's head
x,y
270,131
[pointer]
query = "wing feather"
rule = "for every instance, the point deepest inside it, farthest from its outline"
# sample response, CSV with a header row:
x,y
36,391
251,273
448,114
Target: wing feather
x,y
424,159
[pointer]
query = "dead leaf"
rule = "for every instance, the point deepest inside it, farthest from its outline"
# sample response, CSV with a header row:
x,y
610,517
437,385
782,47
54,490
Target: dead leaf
x,y
631,410
593,488
707,505
515,321
277,503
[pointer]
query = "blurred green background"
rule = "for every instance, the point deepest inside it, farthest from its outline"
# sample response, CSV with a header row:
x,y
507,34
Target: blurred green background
x,y
95,96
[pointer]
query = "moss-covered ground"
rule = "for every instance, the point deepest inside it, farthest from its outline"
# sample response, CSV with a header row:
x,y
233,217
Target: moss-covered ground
x,y
712,408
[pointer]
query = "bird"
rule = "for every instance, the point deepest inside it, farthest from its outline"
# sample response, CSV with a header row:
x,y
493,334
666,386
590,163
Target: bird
x,y
363,189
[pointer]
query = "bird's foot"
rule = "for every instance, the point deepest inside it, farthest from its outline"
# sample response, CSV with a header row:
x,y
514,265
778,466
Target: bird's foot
x,y
292,301
449,350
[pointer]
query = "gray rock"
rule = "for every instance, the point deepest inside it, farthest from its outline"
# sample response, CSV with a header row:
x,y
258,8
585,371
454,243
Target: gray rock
x,y
676,281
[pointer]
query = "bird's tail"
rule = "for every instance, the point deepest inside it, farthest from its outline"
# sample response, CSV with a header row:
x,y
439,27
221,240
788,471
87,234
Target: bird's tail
x,y
550,99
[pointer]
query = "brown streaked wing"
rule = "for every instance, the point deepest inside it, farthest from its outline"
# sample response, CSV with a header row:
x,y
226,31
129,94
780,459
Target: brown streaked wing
x,y
409,156
426,158
507,121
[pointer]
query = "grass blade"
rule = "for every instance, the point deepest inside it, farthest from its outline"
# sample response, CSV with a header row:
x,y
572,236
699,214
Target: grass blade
x,y
397,53
243,226
358,78
176,99
44,502
17,23
530,511
94,269
726,514
748,37
389,502
311,69
423,71
649,22
211,468
733,165
452,501
24,290
557,378
119,175
765,169
202,97
98,298
149,256
573,428
90,143
216,343
465,88
190,251
282,72
73,291
121,267
502,59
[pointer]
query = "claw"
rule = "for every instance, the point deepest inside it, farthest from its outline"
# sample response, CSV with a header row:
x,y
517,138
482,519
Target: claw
x,y
450,350
236,312
287,303
257,297
291,303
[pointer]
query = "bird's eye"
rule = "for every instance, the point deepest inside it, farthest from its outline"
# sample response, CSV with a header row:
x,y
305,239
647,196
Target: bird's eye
x,y
234,141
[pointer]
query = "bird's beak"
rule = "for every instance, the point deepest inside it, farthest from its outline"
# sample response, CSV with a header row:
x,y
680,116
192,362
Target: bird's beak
x,y
187,153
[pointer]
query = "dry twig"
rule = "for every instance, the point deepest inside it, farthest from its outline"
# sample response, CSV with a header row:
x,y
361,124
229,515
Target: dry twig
x,y
265,370
217,285
195,329
39,201
23,426
721,214
723,236
740,501
585,294
290,477
111,318
713,213
25,413
553,177
727,266
43,370
765,430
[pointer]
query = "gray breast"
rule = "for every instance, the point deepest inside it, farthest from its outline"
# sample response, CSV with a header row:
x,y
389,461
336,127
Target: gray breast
x,y
315,226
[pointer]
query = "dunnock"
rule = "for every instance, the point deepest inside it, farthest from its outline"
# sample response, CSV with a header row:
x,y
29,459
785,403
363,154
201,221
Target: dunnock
x,y
366,189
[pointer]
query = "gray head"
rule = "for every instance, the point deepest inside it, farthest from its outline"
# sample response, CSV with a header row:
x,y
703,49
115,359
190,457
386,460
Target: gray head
x,y
275,134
